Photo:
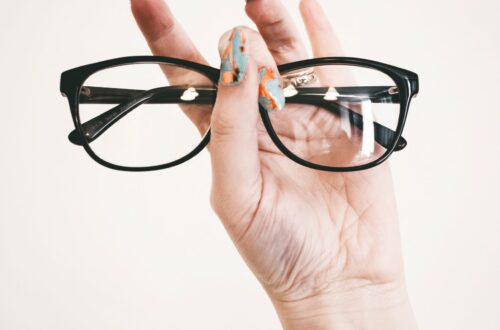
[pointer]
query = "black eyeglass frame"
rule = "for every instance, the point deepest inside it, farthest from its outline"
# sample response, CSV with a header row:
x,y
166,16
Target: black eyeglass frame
x,y
406,82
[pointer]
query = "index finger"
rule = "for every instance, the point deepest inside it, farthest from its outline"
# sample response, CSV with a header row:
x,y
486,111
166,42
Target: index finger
x,y
162,30
166,37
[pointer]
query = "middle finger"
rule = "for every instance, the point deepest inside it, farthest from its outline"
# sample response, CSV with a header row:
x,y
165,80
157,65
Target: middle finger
x,y
278,30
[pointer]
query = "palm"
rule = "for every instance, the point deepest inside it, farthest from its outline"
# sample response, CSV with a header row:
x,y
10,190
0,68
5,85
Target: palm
x,y
311,229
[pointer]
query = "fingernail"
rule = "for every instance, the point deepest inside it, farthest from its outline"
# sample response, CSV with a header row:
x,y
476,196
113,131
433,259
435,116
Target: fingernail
x,y
234,58
271,95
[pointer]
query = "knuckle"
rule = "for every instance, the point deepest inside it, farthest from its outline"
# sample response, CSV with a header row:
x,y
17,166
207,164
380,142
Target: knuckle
x,y
222,132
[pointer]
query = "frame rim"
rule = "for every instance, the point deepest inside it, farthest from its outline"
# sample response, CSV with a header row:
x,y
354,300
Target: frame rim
x,y
73,80
402,78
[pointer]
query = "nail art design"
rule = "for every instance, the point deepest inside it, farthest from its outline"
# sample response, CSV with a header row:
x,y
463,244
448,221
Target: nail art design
x,y
271,96
235,58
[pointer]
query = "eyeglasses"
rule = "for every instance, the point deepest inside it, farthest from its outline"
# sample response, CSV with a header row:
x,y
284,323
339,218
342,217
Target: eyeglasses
x,y
149,113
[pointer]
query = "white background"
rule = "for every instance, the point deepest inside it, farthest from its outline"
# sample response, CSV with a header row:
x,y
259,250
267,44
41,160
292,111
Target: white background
x,y
84,247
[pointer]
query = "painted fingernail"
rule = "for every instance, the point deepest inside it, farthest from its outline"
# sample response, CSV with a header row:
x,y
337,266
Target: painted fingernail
x,y
235,58
271,95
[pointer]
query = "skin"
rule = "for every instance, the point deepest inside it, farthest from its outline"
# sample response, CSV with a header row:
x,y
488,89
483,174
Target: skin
x,y
325,246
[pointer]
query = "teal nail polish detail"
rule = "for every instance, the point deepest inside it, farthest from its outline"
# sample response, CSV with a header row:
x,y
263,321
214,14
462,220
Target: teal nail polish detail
x,y
271,96
235,58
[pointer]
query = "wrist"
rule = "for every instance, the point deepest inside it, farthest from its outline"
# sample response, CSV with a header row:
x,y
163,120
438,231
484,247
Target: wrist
x,y
367,307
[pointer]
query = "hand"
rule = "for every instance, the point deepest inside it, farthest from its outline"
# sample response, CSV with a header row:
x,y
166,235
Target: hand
x,y
325,246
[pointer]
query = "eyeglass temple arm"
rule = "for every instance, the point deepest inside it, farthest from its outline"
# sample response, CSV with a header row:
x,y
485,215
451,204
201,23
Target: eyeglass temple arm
x,y
130,99
163,95
329,101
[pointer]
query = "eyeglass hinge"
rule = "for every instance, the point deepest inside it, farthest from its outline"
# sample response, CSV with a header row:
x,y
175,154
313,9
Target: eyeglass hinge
x,y
85,91
393,90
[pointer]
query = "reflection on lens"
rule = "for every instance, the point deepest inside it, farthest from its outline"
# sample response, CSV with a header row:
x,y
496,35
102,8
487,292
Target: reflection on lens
x,y
344,116
143,115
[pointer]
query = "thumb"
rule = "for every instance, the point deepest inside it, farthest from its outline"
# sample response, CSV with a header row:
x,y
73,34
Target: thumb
x,y
236,179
